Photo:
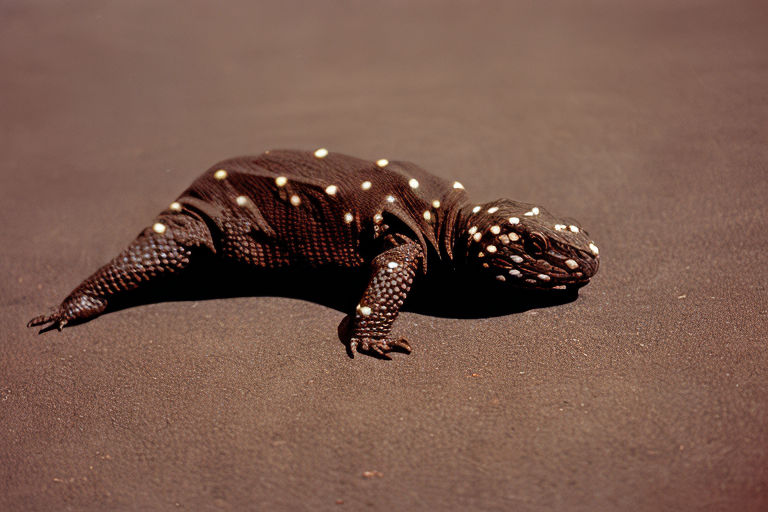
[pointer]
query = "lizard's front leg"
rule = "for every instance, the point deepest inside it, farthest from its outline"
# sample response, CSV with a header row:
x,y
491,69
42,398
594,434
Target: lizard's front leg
x,y
393,273
162,249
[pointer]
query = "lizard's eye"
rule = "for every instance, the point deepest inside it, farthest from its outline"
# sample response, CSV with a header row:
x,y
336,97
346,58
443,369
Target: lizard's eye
x,y
536,244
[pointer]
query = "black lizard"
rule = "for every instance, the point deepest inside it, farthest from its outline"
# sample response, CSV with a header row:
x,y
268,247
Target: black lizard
x,y
314,209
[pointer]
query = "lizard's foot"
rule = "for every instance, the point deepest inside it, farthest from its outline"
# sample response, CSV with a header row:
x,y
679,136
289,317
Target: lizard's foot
x,y
80,307
58,319
378,348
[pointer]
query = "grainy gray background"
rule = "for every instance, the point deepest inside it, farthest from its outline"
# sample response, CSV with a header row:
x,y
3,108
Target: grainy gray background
x,y
647,121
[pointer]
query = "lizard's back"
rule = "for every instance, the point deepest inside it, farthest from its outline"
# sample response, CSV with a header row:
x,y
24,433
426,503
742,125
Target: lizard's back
x,y
293,207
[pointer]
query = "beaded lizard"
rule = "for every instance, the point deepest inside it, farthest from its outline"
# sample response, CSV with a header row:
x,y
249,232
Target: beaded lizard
x,y
316,209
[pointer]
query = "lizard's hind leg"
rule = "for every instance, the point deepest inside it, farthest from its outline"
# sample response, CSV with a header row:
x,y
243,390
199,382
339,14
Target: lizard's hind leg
x,y
165,248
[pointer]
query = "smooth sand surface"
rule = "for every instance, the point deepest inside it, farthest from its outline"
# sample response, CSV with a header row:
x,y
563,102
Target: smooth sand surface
x,y
646,121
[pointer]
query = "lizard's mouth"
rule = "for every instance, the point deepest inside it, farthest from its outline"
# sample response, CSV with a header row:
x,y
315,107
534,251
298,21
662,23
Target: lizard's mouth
x,y
562,287
549,278
576,286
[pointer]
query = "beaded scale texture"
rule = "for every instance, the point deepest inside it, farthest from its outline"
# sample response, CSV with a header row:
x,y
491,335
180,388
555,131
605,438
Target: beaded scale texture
x,y
318,209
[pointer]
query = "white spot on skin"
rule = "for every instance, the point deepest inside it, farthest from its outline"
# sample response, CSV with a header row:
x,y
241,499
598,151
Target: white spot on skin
x,y
534,211
472,230
295,200
559,287
531,281
559,227
382,162
491,249
435,204
427,215
573,229
348,218
366,185
221,174
476,209
378,218
241,200
514,220
594,249
413,183
321,153
493,209
516,258
501,278
392,264
514,272
571,264
175,206
477,236
159,228
331,190
544,277
365,311
495,230
504,239
390,199
514,237
458,185
280,181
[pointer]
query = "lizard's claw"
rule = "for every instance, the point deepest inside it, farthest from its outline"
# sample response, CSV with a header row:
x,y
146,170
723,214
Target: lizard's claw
x,y
401,345
378,348
76,308
57,320
54,316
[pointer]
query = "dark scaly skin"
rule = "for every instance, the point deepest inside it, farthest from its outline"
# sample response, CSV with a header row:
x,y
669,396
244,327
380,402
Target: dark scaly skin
x,y
318,209
393,273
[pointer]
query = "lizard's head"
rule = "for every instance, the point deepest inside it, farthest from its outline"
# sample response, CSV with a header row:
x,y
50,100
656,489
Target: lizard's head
x,y
525,245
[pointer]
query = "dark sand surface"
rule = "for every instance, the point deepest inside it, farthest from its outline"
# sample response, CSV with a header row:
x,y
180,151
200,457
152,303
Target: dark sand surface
x,y
647,122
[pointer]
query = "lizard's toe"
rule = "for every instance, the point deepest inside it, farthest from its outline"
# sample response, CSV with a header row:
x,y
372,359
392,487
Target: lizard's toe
x,y
378,348
44,319
401,345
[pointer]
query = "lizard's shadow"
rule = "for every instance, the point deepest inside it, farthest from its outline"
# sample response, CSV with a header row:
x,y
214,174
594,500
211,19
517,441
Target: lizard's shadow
x,y
447,295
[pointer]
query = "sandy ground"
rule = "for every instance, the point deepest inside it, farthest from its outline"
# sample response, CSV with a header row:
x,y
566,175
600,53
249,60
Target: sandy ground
x,y
646,121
